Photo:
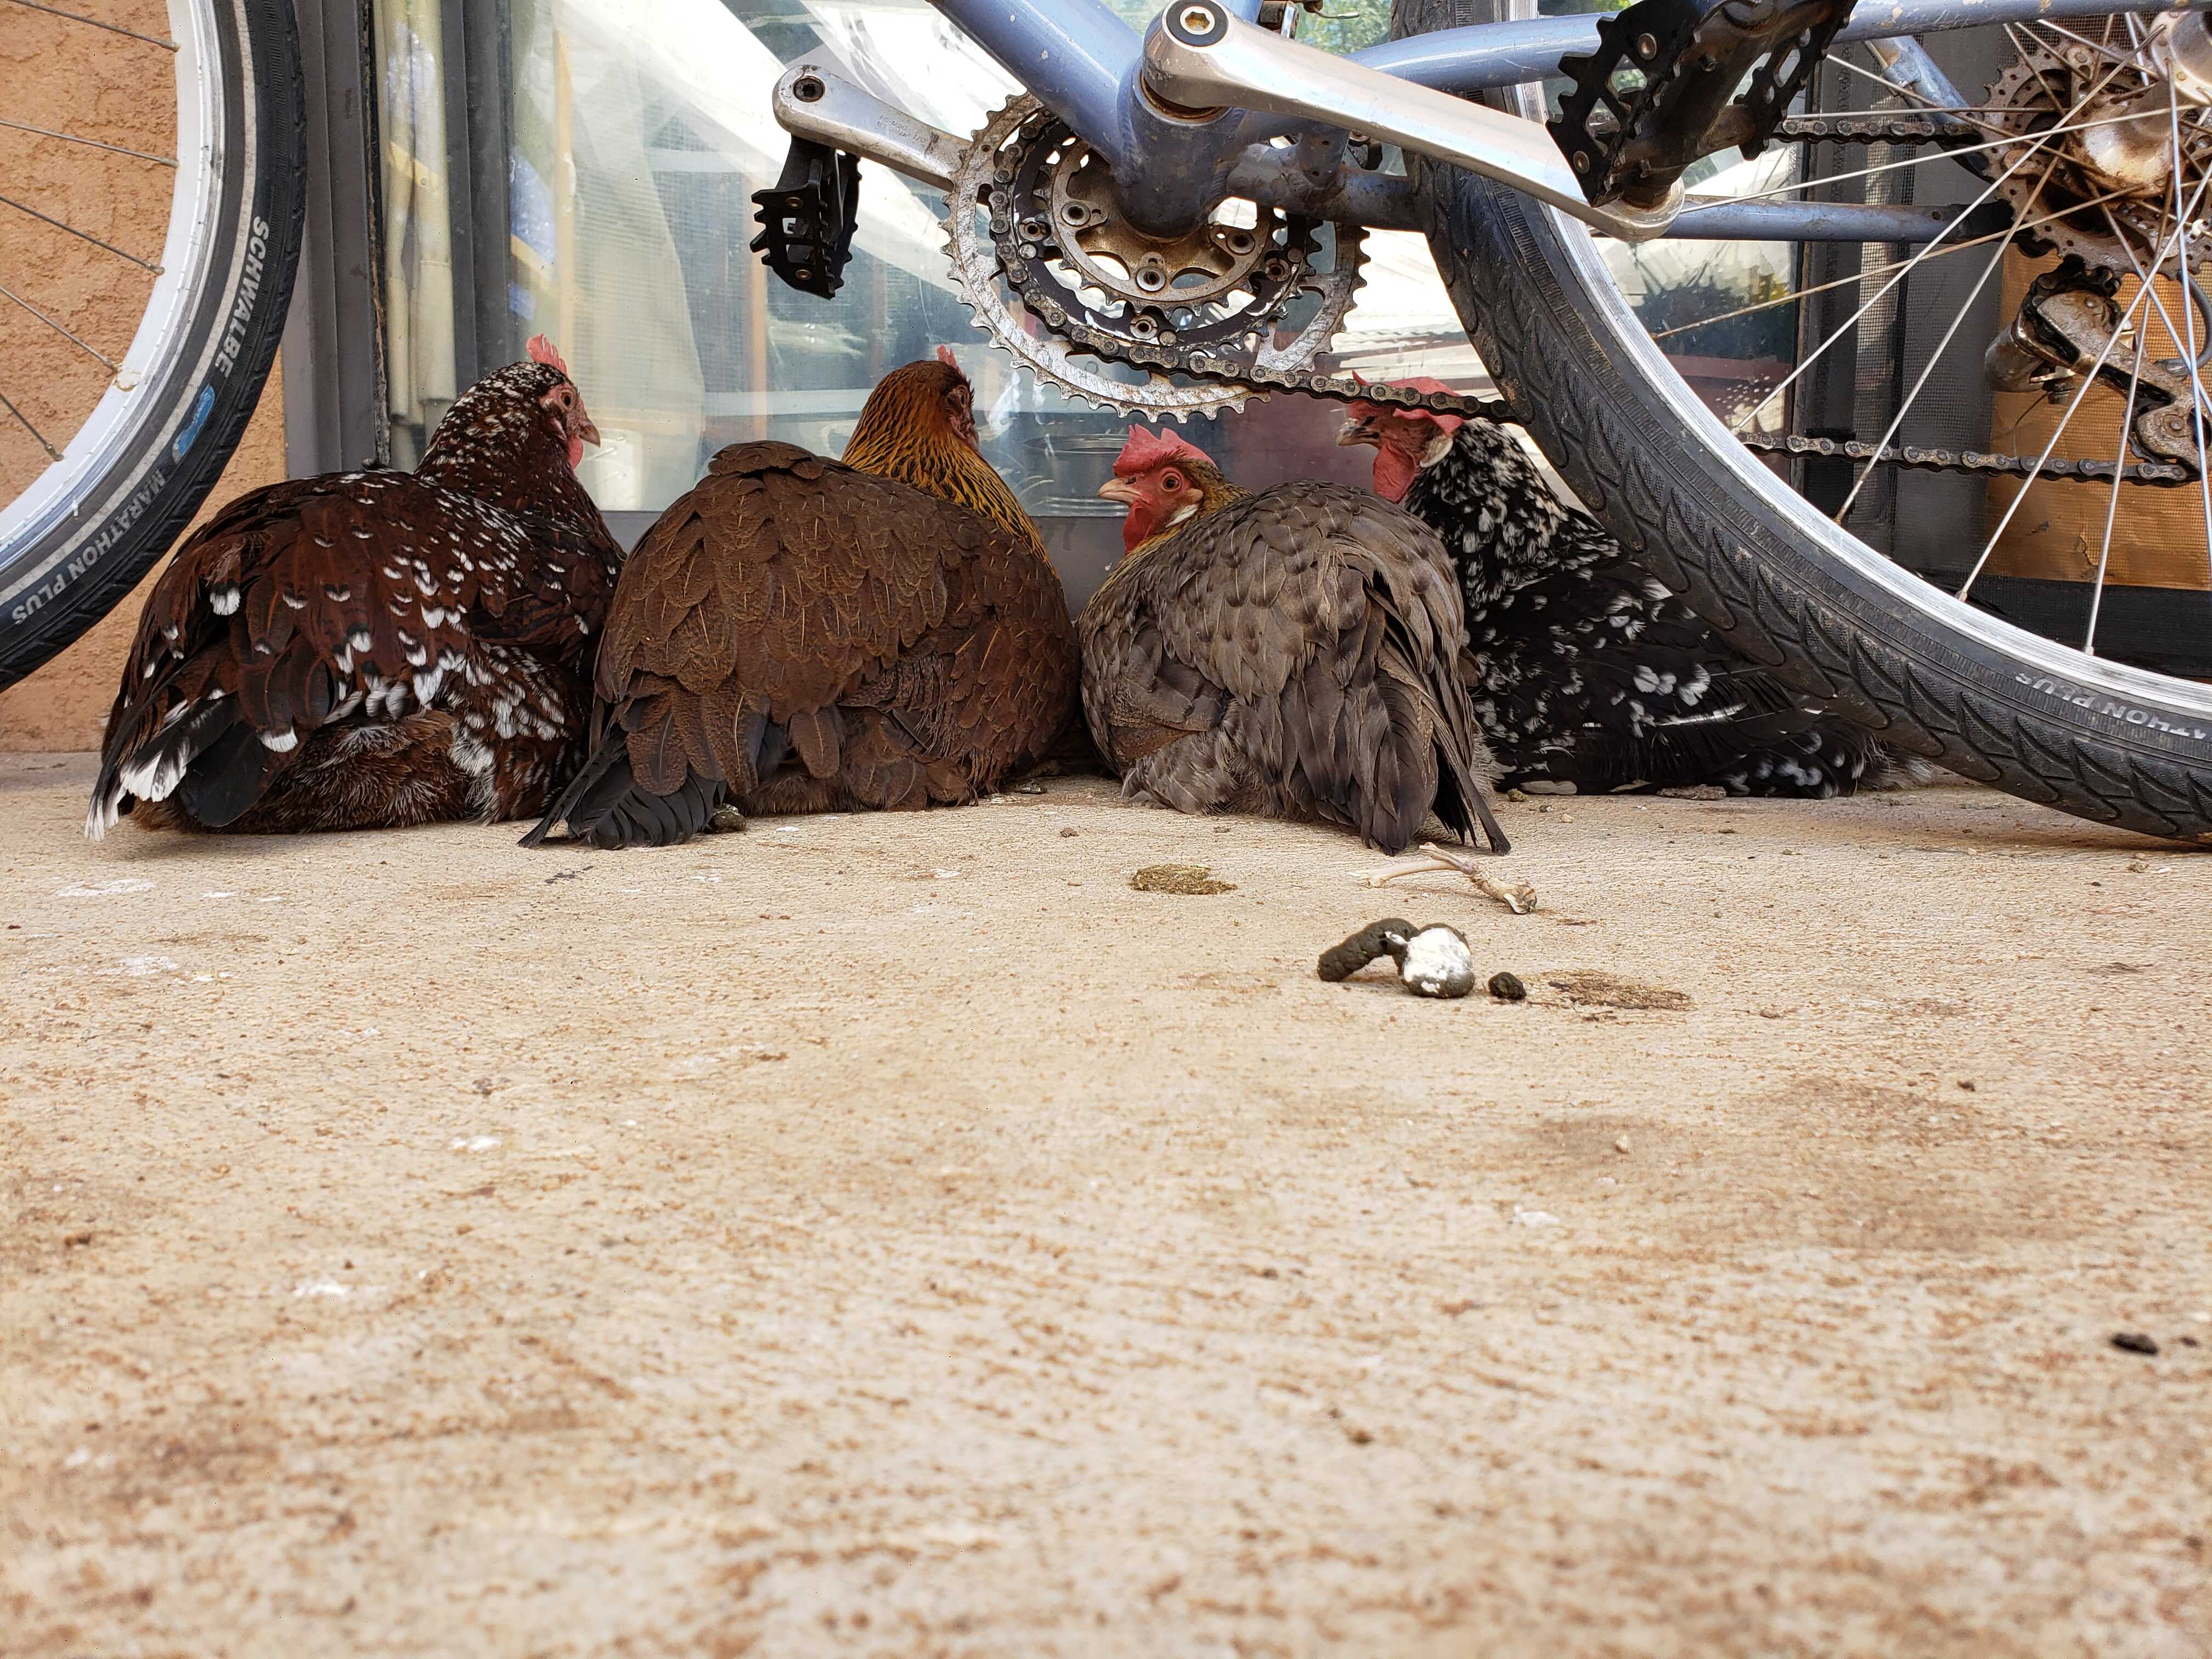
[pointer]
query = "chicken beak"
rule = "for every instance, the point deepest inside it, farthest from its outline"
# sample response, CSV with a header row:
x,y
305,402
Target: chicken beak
x,y
588,431
1356,429
1119,489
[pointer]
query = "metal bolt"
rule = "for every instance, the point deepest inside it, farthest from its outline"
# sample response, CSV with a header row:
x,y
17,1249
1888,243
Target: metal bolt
x,y
807,89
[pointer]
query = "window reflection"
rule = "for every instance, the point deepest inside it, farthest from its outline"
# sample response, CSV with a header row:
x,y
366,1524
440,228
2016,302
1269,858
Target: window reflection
x,y
584,168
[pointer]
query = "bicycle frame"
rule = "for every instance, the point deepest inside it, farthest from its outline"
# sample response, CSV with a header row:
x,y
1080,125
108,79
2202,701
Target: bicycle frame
x,y
1192,112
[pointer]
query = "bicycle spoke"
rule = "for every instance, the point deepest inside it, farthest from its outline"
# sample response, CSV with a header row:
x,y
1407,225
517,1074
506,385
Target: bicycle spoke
x,y
8,293
2099,47
72,138
1904,269
1926,106
87,236
51,451
1949,153
1944,251
1935,357
2188,341
2112,506
93,22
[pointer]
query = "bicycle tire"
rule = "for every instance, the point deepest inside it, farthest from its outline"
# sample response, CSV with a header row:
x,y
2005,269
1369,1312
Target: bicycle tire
x,y
59,576
1932,676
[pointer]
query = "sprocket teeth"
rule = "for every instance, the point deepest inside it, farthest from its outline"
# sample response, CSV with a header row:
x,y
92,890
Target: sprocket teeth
x,y
978,268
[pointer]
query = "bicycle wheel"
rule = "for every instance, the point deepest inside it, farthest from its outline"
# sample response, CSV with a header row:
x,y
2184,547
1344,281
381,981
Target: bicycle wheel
x,y
136,352
1728,464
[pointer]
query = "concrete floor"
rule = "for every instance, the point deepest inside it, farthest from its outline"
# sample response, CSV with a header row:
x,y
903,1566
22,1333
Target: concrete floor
x,y
895,1235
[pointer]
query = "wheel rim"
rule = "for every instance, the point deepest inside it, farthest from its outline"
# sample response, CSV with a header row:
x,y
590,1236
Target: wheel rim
x,y
2043,663
120,424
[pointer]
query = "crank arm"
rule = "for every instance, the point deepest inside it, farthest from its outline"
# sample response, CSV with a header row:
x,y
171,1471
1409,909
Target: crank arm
x,y
1198,59
814,103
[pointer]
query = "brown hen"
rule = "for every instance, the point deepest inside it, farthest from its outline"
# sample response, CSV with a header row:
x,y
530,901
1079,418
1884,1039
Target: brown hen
x,y
368,650
799,635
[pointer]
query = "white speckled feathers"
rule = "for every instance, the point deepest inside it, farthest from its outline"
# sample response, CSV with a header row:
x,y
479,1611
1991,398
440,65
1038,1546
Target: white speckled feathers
x,y
321,607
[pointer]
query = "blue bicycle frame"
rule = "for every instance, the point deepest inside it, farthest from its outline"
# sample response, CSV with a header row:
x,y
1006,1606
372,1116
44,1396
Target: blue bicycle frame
x,y
1185,113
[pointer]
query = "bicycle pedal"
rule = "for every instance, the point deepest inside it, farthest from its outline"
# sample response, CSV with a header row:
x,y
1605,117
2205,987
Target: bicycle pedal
x,y
808,218
1660,91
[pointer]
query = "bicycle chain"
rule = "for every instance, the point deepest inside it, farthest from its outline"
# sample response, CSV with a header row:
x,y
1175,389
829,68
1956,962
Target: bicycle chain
x,y
1199,364
1880,128
1918,458
1345,389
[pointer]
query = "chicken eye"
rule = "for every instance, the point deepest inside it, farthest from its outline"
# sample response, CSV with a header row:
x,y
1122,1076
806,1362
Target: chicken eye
x,y
1172,482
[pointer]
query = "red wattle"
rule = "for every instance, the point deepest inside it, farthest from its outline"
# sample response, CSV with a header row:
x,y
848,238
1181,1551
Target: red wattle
x,y
1394,473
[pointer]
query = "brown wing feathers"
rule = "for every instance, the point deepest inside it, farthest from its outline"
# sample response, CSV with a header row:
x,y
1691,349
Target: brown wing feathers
x,y
802,636
327,600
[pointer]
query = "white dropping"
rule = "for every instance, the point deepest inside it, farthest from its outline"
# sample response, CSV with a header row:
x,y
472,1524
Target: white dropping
x,y
124,885
1436,963
142,967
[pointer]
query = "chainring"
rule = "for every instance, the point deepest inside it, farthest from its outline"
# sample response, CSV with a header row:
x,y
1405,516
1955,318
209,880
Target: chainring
x,y
1068,315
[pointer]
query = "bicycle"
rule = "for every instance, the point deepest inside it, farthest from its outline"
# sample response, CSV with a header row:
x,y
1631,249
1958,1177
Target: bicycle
x,y
1088,230
144,342
1170,220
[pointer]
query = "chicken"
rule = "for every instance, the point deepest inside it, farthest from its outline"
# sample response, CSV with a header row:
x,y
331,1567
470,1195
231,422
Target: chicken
x,y
1290,653
808,635
1587,674
368,650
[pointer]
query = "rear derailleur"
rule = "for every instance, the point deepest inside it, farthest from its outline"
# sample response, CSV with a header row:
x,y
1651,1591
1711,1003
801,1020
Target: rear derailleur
x,y
2066,330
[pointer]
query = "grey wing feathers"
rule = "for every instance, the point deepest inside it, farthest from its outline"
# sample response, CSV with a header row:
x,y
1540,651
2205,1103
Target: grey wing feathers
x,y
1292,652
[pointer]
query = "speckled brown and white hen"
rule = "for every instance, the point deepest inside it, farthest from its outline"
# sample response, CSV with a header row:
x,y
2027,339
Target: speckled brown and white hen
x,y
368,650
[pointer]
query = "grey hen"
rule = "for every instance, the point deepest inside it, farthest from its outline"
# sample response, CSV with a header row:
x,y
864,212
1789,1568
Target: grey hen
x,y
1290,654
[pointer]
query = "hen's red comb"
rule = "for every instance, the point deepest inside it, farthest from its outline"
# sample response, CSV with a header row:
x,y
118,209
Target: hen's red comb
x,y
541,351
1146,450
944,356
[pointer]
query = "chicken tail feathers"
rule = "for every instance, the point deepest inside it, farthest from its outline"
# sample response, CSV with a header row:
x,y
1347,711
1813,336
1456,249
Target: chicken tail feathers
x,y
1462,802
1463,761
606,806
610,755
139,763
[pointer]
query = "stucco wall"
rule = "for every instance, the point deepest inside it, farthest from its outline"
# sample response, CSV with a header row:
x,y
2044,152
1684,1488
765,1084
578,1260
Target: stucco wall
x,y
65,76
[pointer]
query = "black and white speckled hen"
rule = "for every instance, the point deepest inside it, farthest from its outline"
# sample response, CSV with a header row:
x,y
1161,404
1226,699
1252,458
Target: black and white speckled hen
x,y
1587,674
1291,654
369,650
